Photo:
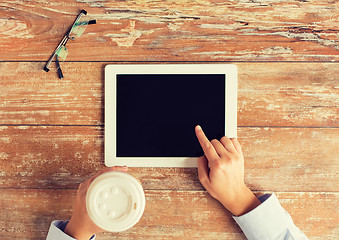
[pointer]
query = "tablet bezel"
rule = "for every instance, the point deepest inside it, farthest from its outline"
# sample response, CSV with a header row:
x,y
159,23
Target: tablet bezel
x,y
111,71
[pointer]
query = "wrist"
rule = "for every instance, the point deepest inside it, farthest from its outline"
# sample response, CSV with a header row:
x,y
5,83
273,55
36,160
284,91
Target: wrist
x,y
77,232
243,202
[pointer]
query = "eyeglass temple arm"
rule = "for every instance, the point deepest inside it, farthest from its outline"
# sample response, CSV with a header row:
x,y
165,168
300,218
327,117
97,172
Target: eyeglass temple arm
x,y
64,40
92,22
61,76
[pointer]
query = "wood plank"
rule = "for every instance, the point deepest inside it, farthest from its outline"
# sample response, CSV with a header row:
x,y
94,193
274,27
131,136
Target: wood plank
x,y
276,159
168,215
153,30
31,96
288,94
268,94
51,130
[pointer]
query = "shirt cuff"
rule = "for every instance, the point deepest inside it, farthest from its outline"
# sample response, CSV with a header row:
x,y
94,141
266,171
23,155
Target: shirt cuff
x,y
56,231
267,221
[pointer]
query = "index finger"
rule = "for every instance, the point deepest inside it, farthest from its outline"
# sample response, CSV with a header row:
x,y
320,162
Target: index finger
x,y
206,145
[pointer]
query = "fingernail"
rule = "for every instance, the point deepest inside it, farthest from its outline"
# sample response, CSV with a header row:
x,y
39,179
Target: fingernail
x,y
125,168
198,127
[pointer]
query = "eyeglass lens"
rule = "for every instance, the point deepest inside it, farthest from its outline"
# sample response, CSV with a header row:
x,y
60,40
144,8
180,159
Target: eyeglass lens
x,y
62,53
78,29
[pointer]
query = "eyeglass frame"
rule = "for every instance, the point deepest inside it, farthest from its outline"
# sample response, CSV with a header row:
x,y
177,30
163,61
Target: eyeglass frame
x,y
63,43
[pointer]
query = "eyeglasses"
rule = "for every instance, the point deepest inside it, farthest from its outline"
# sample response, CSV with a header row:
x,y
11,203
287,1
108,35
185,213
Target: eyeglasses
x,y
73,33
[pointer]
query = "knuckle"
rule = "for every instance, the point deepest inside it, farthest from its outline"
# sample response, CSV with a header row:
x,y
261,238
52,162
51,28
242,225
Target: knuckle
x,y
220,165
217,165
208,145
215,158
224,138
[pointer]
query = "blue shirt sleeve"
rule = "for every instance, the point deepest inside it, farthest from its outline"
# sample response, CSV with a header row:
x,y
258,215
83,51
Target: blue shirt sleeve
x,y
269,221
56,231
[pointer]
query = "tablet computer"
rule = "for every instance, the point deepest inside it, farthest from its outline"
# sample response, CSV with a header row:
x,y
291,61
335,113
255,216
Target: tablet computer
x,y
151,112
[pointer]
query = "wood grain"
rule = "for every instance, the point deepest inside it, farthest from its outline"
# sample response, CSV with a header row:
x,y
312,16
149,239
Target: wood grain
x,y
204,30
51,130
181,215
276,159
269,94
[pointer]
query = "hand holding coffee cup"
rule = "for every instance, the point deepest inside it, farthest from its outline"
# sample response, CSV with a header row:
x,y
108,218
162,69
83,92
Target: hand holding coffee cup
x,y
111,200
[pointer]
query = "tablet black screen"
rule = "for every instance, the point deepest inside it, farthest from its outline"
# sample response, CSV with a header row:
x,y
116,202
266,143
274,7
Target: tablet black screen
x,y
157,113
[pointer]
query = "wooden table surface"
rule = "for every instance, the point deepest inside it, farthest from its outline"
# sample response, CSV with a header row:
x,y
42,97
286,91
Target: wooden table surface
x,y
51,130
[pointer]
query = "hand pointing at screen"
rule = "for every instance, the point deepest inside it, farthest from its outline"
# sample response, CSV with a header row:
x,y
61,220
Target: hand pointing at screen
x,y
221,172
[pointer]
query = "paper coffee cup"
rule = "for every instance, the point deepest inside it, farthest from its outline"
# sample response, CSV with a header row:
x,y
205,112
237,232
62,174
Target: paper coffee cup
x,y
115,201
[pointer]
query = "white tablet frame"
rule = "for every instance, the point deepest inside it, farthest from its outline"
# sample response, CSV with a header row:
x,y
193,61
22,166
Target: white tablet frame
x,y
111,71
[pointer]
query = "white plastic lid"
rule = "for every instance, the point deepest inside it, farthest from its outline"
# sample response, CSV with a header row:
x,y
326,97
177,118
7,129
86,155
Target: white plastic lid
x,y
115,201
